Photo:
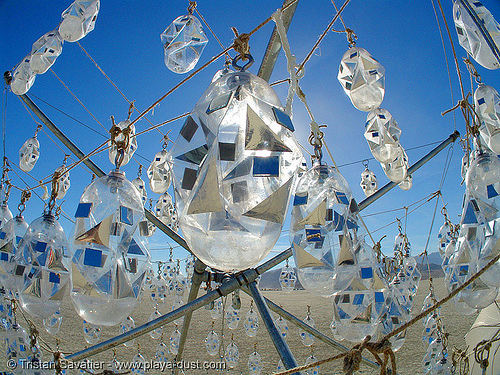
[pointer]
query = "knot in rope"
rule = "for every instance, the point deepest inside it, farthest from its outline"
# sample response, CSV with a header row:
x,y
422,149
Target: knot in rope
x,y
482,353
240,44
191,7
353,358
57,361
384,347
115,132
351,37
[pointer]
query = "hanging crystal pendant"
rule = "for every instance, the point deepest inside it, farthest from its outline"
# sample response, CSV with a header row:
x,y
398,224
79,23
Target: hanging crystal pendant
x,y
369,182
109,258
487,105
156,333
395,315
45,52
125,326
216,311
444,237
307,338
474,39
312,370
432,355
91,332
78,20
161,353
254,364
281,325
174,340
397,169
166,212
231,355
235,163
159,172
130,147
362,78
251,323
280,367
430,332
52,323
63,182
141,186
158,291
183,41
212,343
232,317
139,364
333,327
382,134
23,77
287,279
17,348
177,303
29,154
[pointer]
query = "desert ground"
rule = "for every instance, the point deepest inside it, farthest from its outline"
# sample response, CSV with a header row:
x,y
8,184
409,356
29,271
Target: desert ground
x,y
408,357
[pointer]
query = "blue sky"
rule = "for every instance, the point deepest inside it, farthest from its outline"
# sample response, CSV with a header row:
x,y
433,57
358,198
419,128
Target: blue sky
x,y
402,35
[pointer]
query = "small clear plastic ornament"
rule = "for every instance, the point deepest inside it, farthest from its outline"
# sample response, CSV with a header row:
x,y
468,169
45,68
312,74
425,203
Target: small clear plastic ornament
x,y
216,311
232,355
52,323
254,364
282,326
156,333
110,259
251,322
487,106
407,183
11,235
183,41
287,278
17,348
212,343
362,78
395,315
166,212
319,231
161,353
125,326
45,52
125,133
235,163
307,338
369,182
141,186
139,364
232,317
159,172
444,237
382,134
23,77
430,332
477,30
177,303
466,159
432,355
29,154
79,19
397,169
312,370
42,252
63,182
174,340
91,332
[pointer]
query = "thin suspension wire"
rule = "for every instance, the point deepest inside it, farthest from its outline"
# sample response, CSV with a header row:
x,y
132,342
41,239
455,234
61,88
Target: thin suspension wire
x,y
4,121
213,33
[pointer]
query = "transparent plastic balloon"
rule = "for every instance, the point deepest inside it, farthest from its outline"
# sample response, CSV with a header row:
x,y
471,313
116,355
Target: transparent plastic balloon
x,y
471,37
432,355
52,323
125,326
235,163
307,338
174,340
251,323
91,332
282,326
287,279
160,172
395,315
110,259
29,154
17,348
382,134
63,181
166,212
23,77
183,41
79,19
156,333
312,370
45,51
141,186
232,355
444,237
232,317
254,364
319,231
212,343
42,252
407,183
430,332
483,182
139,364
369,182
131,147
6,254
397,169
161,353
216,311
487,105
11,235
362,78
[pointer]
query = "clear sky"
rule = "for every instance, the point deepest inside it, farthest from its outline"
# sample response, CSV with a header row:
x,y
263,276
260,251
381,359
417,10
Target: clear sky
x,y
402,35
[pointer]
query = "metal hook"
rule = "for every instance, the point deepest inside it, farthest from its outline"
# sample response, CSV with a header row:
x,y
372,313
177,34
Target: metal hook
x,y
246,56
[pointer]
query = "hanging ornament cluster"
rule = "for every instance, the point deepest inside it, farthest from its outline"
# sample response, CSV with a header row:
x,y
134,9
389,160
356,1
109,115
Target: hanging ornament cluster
x,y
235,163
183,41
363,80
477,32
487,106
369,182
123,139
77,21
109,257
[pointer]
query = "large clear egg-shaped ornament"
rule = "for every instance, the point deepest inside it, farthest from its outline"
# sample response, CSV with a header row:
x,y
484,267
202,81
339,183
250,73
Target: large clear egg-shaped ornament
x,y
321,219
382,134
42,251
397,169
79,19
45,51
29,154
477,31
23,77
183,41
11,235
110,259
235,164
124,133
487,102
159,172
362,78
369,182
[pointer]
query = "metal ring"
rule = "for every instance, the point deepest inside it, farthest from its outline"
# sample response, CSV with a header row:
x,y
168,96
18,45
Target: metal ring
x,y
247,65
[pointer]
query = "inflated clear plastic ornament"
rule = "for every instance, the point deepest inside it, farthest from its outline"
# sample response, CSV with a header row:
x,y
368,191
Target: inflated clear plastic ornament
x,y
235,164
42,252
11,235
160,172
177,303
212,343
166,212
254,364
29,154
430,332
369,182
477,40
232,355
307,338
79,19
156,333
282,326
216,311
287,279
161,353
232,317
23,77
487,106
45,52
183,41
319,230
158,290
174,340
52,323
63,182
7,254
312,370
125,326
91,332
382,134
125,133
432,356
139,364
362,78
444,237
141,186
407,183
17,348
397,169
110,259
251,322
